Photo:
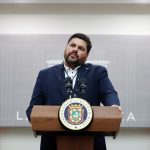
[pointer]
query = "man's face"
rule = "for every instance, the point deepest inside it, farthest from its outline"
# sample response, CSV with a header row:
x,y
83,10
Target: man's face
x,y
75,53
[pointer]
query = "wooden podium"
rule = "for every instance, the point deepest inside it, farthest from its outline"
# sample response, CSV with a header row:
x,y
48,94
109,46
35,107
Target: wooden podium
x,y
106,120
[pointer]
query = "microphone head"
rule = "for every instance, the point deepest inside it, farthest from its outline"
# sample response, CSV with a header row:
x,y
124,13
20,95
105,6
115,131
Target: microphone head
x,y
68,86
68,79
82,87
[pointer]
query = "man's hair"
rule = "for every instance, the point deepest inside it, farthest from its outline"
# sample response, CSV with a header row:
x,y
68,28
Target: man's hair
x,y
84,38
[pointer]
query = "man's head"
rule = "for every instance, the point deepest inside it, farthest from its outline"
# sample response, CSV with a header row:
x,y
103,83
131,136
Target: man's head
x,y
84,38
77,50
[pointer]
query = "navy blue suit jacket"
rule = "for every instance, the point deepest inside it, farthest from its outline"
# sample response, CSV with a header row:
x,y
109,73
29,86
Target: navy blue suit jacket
x,y
50,90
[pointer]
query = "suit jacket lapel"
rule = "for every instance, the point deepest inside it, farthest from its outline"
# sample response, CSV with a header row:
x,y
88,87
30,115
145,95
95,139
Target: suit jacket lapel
x,y
83,71
61,79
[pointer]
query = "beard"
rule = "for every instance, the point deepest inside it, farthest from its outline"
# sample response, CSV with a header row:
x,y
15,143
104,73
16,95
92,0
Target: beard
x,y
72,59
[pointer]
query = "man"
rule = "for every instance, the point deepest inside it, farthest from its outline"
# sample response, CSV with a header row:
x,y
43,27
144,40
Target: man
x,y
50,87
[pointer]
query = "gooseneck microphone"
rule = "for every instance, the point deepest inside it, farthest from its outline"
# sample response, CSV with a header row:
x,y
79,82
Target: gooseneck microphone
x,y
68,86
82,87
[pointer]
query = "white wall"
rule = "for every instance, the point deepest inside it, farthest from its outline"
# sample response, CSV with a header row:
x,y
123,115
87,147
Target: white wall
x,y
57,19
18,139
65,18
130,139
23,139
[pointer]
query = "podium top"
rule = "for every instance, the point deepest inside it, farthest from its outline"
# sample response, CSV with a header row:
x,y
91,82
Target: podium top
x,y
106,119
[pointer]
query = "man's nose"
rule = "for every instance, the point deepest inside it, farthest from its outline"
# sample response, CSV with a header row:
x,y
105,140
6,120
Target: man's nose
x,y
75,49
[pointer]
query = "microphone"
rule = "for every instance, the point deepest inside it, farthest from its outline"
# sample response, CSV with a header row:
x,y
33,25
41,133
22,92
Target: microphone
x,y
68,86
82,88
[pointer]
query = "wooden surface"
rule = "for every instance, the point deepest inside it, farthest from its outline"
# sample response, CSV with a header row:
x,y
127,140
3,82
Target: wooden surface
x,y
75,142
106,119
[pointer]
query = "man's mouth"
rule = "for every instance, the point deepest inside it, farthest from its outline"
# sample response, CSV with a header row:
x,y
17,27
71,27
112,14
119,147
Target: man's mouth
x,y
73,55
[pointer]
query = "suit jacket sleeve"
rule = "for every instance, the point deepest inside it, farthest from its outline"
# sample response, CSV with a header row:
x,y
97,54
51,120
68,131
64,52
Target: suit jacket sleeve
x,y
107,92
37,96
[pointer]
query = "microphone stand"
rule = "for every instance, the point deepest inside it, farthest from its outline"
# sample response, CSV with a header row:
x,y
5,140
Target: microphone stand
x,y
82,88
68,86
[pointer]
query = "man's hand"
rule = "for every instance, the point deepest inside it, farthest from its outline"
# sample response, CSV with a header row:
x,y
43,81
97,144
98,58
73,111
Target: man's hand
x,y
119,109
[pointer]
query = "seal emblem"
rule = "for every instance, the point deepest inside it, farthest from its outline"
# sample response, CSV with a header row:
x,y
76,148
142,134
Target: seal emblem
x,y
75,114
